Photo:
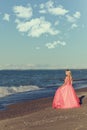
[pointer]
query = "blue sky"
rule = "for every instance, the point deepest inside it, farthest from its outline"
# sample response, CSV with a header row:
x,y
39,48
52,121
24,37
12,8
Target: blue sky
x,y
43,34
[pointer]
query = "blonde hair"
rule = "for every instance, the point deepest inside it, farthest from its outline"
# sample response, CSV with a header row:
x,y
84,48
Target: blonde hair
x,y
70,74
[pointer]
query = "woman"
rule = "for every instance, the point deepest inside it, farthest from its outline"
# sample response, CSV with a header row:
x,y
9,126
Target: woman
x,y
65,96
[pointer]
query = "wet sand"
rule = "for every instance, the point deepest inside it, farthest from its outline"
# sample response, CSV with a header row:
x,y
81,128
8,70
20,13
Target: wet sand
x,y
39,115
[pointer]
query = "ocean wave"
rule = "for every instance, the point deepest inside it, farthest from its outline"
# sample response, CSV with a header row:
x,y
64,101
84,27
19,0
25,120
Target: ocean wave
x,y
81,86
5,91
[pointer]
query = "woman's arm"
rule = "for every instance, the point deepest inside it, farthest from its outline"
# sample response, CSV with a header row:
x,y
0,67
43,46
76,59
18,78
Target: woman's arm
x,y
65,80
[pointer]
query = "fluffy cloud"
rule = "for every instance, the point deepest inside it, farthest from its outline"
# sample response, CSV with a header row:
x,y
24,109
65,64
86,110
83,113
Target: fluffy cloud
x,y
58,11
77,15
74,26
6,17
36,27
42,11
23,12
54,44
49,7
74,17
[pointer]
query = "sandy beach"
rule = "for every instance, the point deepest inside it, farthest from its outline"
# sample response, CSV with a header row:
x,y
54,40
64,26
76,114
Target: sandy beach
x,y
39,115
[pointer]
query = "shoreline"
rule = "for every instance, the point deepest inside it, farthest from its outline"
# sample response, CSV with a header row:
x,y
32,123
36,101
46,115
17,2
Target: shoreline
x,y
30,105
39,115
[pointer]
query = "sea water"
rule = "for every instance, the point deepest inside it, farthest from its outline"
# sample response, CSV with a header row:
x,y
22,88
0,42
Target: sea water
x,y
22,85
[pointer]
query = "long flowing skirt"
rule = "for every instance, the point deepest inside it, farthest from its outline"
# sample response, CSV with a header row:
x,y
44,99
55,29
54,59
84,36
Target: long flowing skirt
x,y
65,97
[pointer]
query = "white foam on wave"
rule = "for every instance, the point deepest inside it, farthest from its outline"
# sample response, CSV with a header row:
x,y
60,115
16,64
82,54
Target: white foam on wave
x,y
5,91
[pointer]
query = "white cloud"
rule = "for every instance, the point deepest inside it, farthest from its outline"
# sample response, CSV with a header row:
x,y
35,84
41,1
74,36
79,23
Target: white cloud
x,y
74,17
23,12
42,6
36,27
77,15
42,11
49,7
74,26
54,44
6,17
70,18
58,11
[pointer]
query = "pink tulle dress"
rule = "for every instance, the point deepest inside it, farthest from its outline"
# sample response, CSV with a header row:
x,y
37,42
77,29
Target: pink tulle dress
x,y
65,96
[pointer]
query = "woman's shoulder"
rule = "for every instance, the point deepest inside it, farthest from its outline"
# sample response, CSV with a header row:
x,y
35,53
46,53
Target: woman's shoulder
x,y
68,78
